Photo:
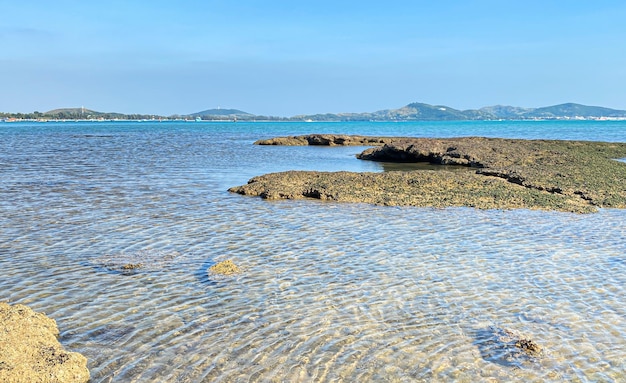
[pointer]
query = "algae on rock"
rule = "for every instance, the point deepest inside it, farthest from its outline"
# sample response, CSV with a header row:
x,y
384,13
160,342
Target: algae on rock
x,y
507,347
227,267
572,176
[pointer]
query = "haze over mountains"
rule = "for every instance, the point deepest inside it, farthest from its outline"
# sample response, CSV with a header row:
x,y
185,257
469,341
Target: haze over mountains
x,y
411,112
426,112
221,112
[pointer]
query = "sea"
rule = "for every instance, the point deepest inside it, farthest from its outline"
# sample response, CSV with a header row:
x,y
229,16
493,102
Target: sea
x,y
328,292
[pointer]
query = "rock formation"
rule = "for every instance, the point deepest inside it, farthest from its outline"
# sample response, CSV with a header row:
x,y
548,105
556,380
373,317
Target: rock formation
x,y
30,351
327,140
575,176
227,267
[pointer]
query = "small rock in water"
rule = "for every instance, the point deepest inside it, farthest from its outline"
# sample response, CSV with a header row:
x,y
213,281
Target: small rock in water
x,y
132,266
506,347
142,260
224,268
529,346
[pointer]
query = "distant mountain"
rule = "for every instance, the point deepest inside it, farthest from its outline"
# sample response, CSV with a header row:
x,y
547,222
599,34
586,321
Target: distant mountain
x,y
426,112
574,110
83,113
412,112
420,111
71,111
79,113
222,113
504,112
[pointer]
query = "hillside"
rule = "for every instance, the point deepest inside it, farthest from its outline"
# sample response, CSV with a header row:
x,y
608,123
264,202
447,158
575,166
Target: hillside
x,y
71,111
574,110
222,113
426,112
79,113
504,112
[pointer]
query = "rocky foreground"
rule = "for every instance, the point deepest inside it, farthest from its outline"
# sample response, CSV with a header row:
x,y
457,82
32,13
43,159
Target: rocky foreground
x,y
30,351
487,173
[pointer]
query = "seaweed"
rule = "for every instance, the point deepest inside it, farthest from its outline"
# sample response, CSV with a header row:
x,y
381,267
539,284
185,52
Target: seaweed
x,y
506,347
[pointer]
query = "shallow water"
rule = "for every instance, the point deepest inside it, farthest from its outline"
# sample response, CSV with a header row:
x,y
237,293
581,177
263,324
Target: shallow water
x,y
329,292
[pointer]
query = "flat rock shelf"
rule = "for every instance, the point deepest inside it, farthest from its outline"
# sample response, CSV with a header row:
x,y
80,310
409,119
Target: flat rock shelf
x,y
571,176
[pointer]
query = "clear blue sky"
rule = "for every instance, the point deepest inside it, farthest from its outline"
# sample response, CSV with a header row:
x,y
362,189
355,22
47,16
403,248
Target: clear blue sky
x,y
285,58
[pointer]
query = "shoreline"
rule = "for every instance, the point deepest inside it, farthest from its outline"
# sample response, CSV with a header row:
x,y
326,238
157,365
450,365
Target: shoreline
x,y
569,176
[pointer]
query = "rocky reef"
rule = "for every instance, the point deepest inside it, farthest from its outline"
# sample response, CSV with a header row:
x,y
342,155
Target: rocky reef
x,y
30,351
573,176
327,140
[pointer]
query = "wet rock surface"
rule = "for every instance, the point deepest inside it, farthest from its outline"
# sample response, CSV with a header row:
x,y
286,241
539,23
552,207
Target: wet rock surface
x,y
573,176
30,351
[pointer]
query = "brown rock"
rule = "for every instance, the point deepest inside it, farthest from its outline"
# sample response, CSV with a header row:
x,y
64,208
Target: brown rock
x,y
327,140
575,176
529,346
138,261
132,266
30,351
507,347
224,268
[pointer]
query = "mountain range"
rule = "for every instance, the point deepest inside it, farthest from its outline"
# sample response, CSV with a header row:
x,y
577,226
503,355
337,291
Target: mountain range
x,y
426,112
412,112
222,112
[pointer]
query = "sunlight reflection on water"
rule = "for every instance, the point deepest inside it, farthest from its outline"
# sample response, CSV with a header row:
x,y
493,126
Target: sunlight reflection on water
x,y
328,292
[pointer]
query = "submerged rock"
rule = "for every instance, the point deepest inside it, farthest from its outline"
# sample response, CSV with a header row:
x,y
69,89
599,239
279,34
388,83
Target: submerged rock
x,y
529,347
506,347
132,266
134,262
224,268
30,351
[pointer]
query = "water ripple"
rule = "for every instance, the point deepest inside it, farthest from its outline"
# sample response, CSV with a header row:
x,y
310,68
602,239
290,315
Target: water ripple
x,y
328,292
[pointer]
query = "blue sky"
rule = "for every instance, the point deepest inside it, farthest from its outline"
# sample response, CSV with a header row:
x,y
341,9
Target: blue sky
x,y
285,58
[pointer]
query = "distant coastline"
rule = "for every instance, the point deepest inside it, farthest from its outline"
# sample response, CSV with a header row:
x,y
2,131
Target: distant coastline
x,y
410,112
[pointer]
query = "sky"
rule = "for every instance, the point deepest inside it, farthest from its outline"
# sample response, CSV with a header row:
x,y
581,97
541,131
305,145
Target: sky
x,y
286,58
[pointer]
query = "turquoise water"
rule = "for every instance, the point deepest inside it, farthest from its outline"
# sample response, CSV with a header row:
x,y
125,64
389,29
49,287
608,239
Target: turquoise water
x,y
329,292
